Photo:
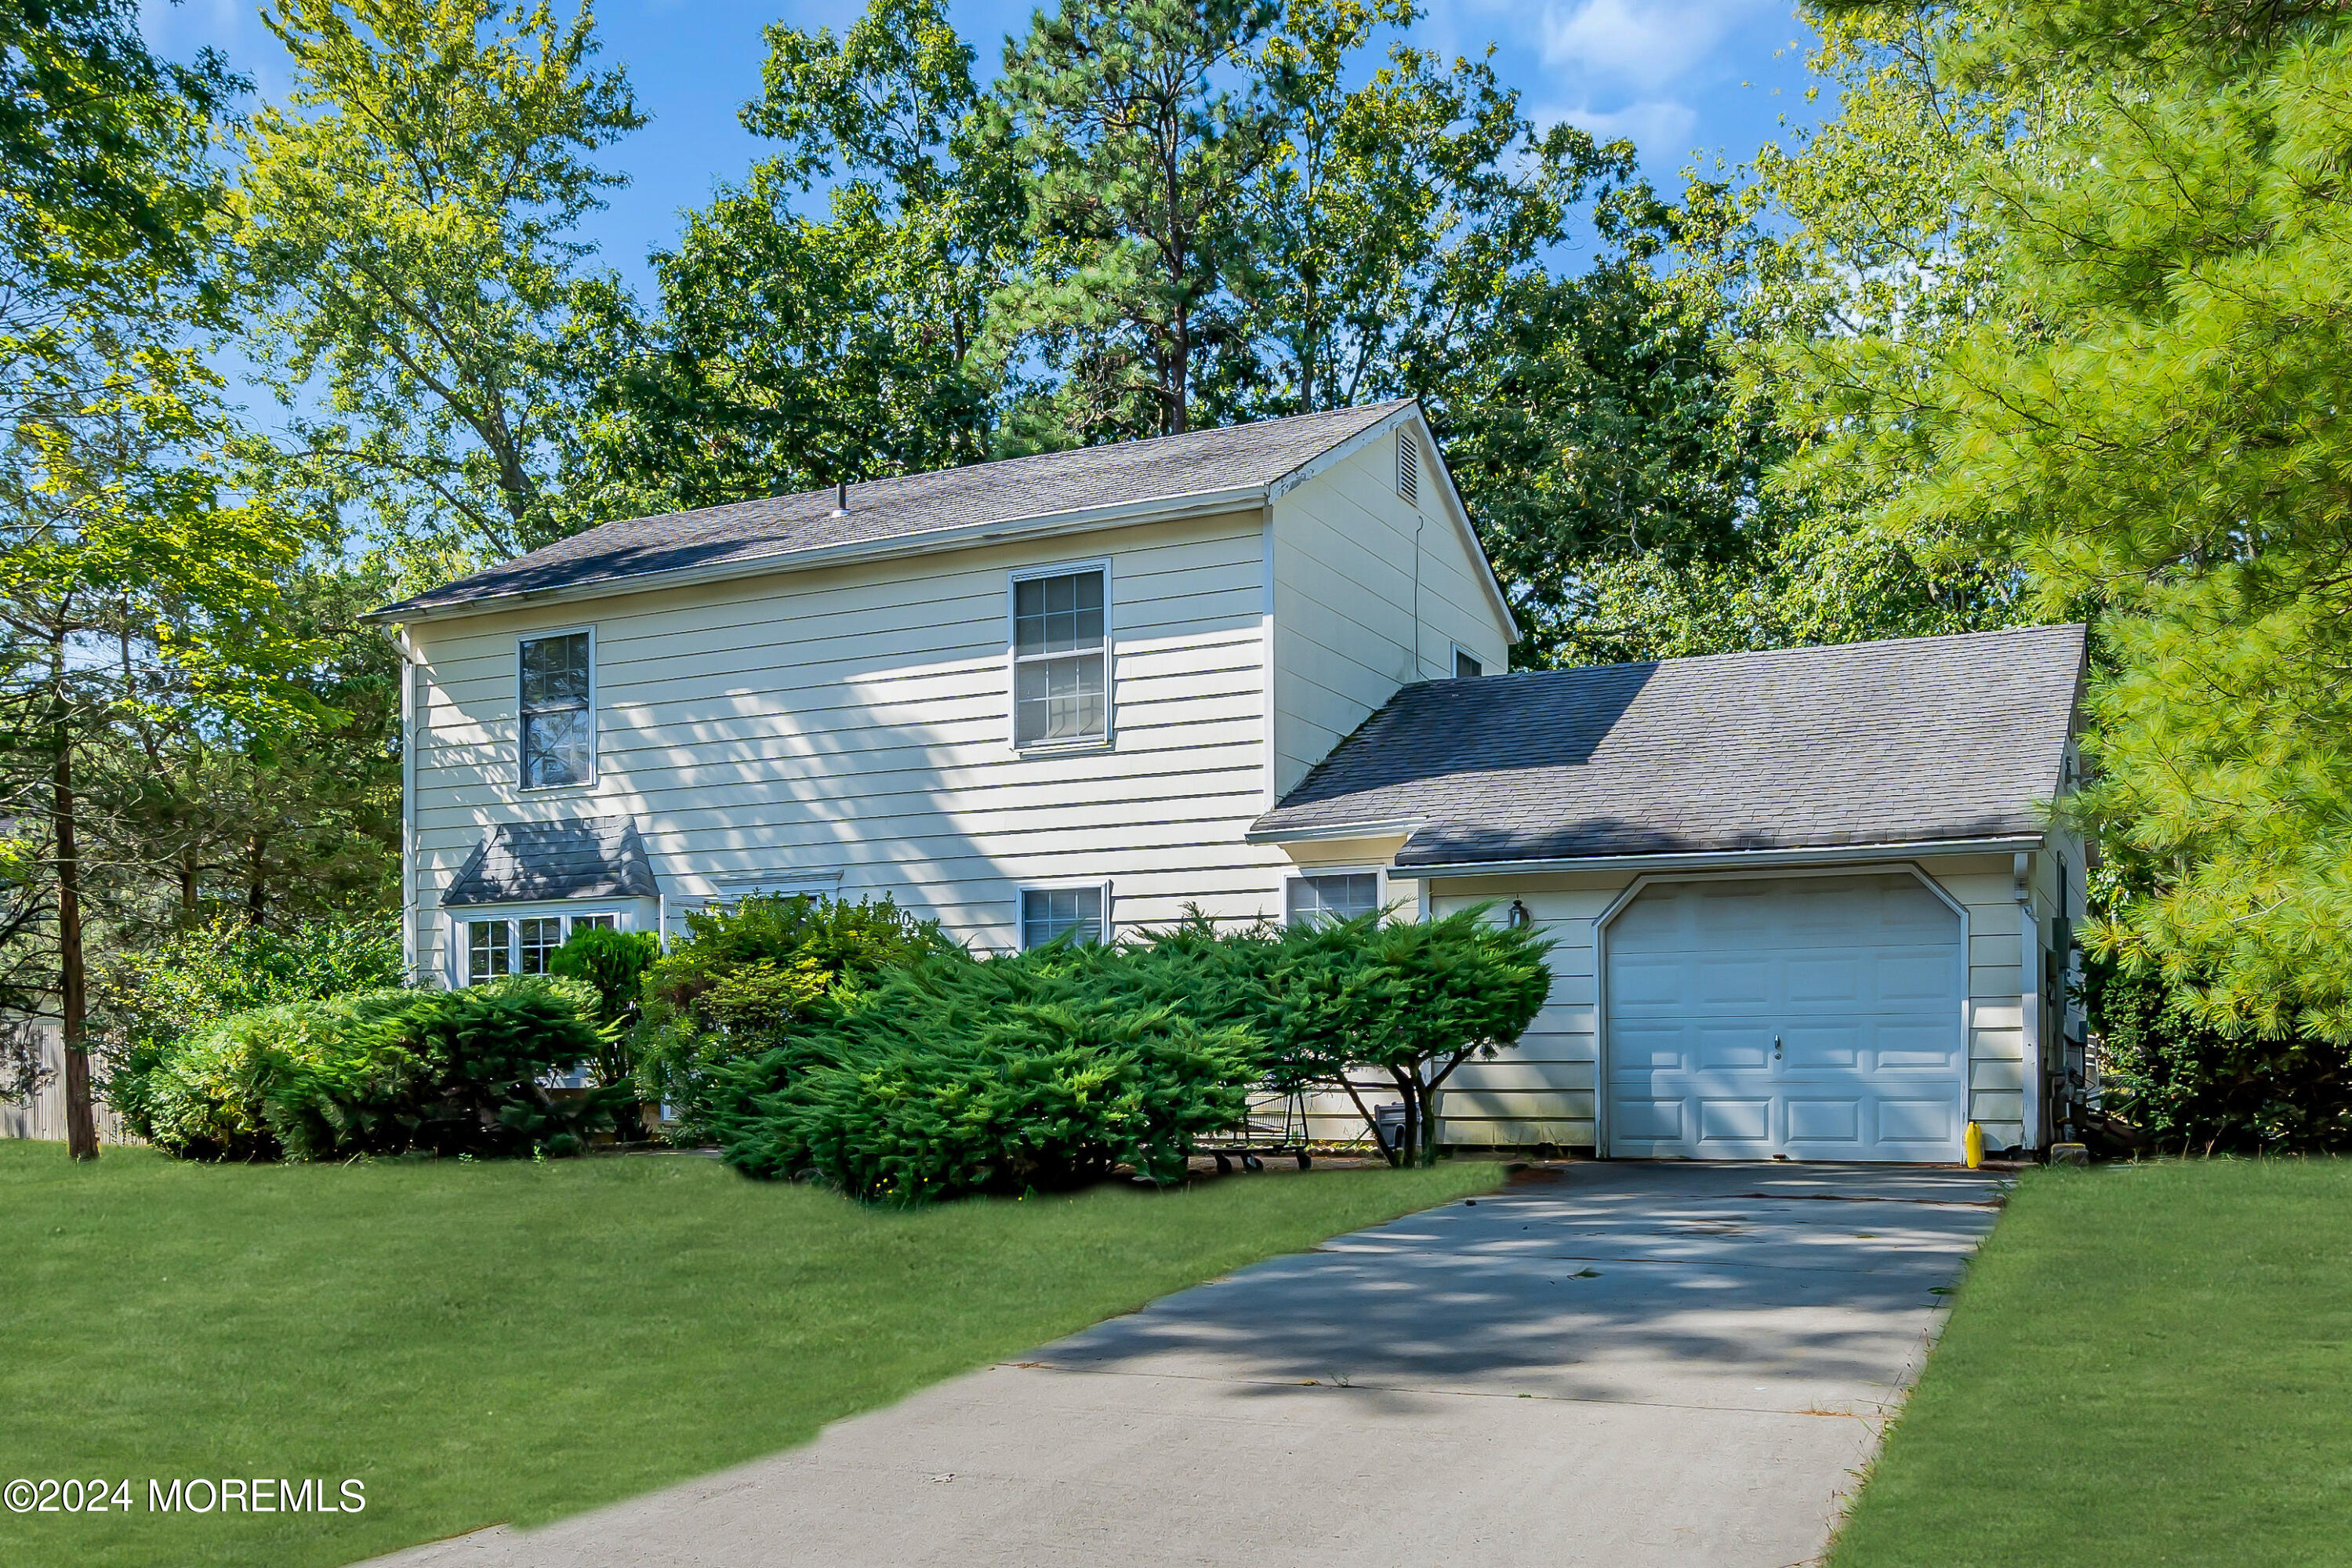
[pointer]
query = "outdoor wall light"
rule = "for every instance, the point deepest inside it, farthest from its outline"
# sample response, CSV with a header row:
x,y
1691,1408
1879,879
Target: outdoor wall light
x,y
1519,916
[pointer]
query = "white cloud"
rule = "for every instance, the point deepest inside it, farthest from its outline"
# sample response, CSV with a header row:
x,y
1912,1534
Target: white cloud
x,y
1642,43
1661,128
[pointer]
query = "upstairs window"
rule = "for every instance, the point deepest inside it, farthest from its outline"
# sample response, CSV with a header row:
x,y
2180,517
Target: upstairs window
x,y
1061,659
1333,896
557,739
1465,666
1408,468
1049,912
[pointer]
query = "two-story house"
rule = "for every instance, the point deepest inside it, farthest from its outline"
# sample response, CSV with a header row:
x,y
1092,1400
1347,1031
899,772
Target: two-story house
x,y
1086,690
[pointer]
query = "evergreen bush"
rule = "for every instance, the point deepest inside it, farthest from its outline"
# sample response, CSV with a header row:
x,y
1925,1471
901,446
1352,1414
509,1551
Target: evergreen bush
x,y
745,978
144,1004
957,1075
382,1072
2186,1083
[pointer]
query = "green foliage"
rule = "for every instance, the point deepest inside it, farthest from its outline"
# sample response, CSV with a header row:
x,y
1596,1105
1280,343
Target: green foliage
x,y
614,962
2152,425
406,221
1414,999
145,1000
1052,1066
744,979
381,1072
2189,1085
1036,1070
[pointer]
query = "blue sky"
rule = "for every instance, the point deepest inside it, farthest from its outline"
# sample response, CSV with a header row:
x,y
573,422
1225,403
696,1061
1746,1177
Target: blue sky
x,y
1679,77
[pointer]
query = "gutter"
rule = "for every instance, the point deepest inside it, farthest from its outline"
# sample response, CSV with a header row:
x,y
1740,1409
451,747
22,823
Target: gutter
x,y
1711,859
1158,508
1405,825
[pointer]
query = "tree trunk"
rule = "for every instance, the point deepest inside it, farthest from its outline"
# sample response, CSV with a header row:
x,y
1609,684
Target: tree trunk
x,y
81,1119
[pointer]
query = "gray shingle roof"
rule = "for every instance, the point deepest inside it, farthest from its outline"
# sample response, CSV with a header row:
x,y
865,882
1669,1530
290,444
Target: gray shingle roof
x,y
1008,491
586,857
1885,743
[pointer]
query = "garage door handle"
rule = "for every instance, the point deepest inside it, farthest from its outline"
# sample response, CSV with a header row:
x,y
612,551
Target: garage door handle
x,y
1775,1047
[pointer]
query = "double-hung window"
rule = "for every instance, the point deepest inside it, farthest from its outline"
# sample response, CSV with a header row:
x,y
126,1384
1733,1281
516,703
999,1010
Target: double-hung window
x,y
1049,912
522,946
1333,896
558,739
1061,659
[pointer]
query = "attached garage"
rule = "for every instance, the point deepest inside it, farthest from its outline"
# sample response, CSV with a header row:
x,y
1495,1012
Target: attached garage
x,y
1806,1018
1806,905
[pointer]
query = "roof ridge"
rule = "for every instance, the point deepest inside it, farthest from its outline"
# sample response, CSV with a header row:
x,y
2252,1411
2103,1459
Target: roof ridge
x,y
1987,634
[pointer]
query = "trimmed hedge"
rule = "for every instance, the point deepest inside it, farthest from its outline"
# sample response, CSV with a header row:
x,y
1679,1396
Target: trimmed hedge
x,y
2185,1084
958,1075
744,980
382,1072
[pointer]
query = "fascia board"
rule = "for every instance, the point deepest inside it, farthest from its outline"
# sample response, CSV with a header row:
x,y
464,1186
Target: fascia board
x,y
1726,859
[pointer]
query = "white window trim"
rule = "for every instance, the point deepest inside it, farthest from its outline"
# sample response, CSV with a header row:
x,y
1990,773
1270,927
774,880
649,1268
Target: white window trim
x,y
595,726
1013,662
463,916
1061,885
1304,873
1453,663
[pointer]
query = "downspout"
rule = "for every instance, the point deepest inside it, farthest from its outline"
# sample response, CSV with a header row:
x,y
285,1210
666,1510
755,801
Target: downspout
x,y
412,670
2029,968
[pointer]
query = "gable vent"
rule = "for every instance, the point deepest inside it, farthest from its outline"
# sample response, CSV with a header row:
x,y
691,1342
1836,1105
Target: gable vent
x,y
1408,468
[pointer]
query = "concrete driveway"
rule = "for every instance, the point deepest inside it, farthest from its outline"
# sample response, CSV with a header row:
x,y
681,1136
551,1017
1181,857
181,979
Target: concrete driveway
x,y
1611,1364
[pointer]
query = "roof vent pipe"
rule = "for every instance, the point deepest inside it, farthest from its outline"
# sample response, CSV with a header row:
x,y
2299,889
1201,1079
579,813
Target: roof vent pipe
x,y
841,498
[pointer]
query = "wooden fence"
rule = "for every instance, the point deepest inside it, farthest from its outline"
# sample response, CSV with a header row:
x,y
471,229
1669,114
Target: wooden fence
x,y
44,1115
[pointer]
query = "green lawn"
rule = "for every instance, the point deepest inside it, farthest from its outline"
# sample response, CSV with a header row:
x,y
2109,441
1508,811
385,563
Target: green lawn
x,y
507,1340
2147,1364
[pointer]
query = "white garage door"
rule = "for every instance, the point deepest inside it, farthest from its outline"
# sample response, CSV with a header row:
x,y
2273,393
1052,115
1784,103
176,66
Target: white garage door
x,y
1815,1017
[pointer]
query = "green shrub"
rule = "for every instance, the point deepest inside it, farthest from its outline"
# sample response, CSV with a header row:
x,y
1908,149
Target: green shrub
x,y
144,1003
957,1075
2185,1083
744,979
382,1072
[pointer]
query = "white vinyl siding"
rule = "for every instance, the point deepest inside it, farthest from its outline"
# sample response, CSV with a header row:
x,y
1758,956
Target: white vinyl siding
x,y
856,722
1345,597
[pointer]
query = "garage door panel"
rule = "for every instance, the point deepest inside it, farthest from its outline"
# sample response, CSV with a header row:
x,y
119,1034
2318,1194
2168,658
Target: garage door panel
x,y
1837,1120
1826,977
1641,1119
1917,1122
1858,977
1920,975
1645,981
1738,1047
1725,1121
1812,1047
1918,1048
1638,1051
1725,980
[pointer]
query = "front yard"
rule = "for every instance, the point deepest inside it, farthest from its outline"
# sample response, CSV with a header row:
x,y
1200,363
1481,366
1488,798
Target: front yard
x,y
2147,1364
512,1341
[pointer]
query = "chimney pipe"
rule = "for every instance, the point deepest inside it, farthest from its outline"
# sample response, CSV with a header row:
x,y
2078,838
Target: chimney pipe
x,y
841,498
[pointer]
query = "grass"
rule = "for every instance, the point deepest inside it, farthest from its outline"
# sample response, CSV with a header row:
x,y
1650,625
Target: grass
x,y
513,1341
2147,1364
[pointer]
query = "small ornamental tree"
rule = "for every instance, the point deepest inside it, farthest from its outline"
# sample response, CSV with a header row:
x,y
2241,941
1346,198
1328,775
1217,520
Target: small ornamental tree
x,y
1412,999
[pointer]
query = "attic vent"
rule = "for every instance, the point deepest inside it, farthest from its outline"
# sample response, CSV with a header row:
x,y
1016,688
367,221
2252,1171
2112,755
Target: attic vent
x,y
1408,468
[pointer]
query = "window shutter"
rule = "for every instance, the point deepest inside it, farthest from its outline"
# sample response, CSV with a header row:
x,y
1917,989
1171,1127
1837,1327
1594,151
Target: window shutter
x,y
1408,468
